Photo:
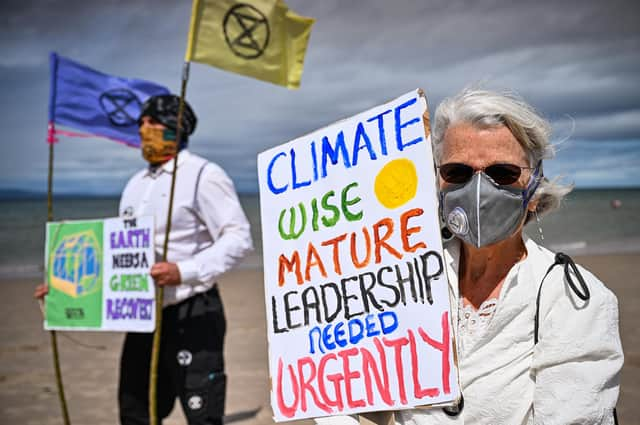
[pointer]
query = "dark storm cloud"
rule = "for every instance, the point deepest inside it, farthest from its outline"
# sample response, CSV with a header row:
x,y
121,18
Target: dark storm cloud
x,y
577,62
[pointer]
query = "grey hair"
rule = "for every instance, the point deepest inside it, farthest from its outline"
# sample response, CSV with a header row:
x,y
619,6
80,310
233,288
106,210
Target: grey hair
x,y
486,109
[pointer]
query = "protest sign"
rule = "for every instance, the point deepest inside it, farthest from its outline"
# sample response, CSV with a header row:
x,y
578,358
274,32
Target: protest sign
x,y
98,275
358,311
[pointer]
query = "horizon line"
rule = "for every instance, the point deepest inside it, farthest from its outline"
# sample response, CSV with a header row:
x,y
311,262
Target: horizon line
x,y
16,194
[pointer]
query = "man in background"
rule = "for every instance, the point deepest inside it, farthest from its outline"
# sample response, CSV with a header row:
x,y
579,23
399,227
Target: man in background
x,y
209,234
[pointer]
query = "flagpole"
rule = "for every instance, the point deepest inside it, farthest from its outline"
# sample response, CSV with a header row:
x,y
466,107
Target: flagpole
x,y
157,335
54,338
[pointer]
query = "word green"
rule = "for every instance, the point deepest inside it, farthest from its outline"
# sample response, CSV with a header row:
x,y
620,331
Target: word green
x,y
129,282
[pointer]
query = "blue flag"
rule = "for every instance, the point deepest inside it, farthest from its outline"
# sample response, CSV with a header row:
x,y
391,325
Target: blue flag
x,y
96,103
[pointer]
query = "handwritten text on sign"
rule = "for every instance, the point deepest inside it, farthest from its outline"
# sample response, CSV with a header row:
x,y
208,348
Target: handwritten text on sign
x,y
356,293
98,272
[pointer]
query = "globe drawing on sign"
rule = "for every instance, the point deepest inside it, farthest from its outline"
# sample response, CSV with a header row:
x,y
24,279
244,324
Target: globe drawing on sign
x,y
75,265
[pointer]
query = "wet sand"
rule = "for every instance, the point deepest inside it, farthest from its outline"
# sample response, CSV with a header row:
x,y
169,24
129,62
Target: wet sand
x,y
28,392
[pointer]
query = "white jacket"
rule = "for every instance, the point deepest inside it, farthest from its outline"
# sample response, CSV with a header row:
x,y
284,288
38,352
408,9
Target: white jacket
x,y
570,377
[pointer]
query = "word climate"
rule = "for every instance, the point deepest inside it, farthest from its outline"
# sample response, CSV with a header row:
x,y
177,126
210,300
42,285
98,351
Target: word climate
x,y
312,161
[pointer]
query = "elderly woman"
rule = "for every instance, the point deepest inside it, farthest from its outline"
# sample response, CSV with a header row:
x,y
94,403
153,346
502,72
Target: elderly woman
x,y
528,353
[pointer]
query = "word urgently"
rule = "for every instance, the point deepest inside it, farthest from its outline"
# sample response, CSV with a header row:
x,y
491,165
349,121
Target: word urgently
x,y
328,383
341,149
129,308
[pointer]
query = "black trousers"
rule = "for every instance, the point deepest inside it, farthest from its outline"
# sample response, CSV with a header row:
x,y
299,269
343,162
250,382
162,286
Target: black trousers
x,y
191,364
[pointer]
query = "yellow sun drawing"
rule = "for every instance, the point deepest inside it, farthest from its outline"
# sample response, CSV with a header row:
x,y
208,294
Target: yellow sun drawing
x,y
397,183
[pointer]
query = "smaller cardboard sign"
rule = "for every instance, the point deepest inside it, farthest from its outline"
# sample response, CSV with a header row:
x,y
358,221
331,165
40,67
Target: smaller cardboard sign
x,y
98,275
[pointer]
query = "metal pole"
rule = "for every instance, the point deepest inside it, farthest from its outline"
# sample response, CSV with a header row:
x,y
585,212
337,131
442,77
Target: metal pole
x,y
54,338
157,335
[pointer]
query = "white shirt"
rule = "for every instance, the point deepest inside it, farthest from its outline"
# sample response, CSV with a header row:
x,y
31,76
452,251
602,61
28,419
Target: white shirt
x,y
209,230
570,377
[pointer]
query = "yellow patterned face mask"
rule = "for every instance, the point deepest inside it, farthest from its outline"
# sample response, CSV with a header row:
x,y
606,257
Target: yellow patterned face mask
x,y
158,144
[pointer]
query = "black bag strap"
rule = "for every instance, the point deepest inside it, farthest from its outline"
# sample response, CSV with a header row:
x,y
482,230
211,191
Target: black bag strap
x,y
583,294
569,267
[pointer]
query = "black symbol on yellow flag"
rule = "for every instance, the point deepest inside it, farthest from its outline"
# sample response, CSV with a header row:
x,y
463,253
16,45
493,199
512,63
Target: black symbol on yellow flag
x,y
246,31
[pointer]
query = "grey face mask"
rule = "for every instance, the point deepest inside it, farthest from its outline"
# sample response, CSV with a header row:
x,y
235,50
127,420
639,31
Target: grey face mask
x,y
481,212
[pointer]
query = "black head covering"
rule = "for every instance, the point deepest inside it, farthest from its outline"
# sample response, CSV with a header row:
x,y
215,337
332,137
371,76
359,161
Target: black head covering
x,y
164,109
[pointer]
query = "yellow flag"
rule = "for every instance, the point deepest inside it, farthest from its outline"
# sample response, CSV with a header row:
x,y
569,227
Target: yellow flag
x,y
262,39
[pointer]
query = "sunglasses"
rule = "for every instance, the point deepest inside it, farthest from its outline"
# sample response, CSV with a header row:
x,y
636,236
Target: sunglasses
x,y
502,174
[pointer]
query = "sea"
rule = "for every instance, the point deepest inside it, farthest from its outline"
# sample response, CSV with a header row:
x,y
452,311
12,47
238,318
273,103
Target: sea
x,y
602,221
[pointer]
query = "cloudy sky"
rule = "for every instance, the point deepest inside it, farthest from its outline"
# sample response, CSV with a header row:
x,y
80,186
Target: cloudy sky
x,y
577,62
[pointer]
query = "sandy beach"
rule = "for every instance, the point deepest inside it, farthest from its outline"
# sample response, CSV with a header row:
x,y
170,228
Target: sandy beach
x,y
28,392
